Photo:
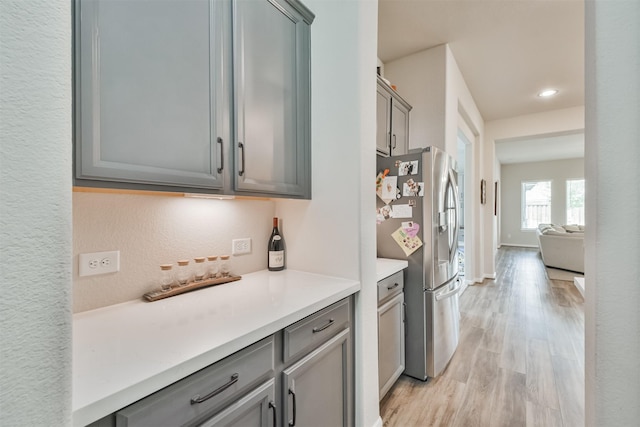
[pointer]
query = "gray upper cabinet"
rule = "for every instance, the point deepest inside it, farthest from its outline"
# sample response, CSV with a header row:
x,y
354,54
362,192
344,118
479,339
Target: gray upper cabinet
x,y
392,135
271,51
149,98
383,120
161,105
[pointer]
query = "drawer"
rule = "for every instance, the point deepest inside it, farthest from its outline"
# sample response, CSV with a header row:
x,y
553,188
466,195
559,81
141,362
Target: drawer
x,y
216,386
310,332
390,286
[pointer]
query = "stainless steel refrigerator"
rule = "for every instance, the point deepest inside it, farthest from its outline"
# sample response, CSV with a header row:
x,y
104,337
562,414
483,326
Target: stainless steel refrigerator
x,y
418,221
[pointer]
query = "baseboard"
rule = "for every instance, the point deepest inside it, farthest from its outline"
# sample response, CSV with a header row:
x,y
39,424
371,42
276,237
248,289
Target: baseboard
x,y
378,422
491,276
517,245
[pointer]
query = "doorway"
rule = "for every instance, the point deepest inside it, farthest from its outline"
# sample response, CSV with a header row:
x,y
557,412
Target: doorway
x,y
464,168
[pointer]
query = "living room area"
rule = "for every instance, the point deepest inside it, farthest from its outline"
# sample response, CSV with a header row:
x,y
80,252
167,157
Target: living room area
x,y
542,201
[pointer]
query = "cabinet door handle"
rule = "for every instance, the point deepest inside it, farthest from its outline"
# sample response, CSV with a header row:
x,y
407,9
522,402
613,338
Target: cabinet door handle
x,y
323,327
393,287
221,155
198,399
241,147
293,421
272,405
404,314
394,141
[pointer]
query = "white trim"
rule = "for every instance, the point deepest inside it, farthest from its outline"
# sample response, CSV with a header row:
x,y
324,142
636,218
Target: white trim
x,y
491,276
518,245
378,422
579,283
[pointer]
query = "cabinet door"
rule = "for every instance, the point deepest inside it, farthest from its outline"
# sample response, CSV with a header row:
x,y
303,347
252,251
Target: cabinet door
x,y
148,109
257,409
383,122
272,95
399,128
318,387
390,343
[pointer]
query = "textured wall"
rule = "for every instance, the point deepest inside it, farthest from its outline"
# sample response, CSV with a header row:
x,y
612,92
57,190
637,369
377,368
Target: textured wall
x,y
612,271
153,230
35,213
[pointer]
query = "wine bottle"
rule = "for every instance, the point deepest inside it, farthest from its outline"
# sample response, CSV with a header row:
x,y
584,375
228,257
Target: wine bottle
x,y
276,249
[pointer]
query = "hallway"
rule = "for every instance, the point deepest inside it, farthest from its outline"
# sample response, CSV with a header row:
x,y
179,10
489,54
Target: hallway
x,y
520,361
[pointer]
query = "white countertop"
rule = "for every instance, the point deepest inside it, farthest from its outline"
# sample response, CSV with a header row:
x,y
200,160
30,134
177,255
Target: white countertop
x,y
385,267
127,351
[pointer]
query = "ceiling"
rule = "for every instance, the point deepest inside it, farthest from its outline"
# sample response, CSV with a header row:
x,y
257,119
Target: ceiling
x,y
507,51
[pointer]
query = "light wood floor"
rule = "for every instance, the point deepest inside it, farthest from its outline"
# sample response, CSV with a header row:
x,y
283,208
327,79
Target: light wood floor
x,y
520,361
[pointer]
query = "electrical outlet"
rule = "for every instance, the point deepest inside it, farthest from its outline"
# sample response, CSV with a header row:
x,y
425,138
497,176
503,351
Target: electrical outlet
x,y
241,246
98,263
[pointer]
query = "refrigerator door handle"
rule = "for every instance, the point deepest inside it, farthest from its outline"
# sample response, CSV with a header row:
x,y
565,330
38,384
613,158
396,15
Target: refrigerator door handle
x,y
452,292
454,246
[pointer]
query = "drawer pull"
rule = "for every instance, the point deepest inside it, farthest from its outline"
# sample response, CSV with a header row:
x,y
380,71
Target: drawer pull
x,y
272,406
232,381
292,423
393,287
323,327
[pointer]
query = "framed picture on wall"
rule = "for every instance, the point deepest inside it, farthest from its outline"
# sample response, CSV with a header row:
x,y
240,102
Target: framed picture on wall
x,y
495,198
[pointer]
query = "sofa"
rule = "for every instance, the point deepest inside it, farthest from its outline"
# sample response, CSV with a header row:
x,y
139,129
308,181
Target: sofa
x,y
562,246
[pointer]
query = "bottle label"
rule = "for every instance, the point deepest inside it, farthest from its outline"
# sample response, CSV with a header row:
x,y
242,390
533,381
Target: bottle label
x,y
276,259
276,237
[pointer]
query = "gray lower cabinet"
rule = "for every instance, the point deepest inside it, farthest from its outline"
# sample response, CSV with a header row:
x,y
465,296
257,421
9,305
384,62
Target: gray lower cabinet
x,y
317,377
318,387
392,121
300,376
257,409
204,96
214,393
391,331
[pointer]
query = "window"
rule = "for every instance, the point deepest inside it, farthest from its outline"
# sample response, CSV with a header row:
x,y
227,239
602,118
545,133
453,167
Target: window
x,y
536,204
575,201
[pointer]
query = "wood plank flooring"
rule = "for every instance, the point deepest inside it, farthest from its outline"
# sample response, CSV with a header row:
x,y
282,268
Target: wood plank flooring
x,y
520,361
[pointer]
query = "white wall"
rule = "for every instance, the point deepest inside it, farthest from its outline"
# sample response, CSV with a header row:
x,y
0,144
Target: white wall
x,y
557,171
335,232
431,81
462,113
421,81
612,154
550,122
35,213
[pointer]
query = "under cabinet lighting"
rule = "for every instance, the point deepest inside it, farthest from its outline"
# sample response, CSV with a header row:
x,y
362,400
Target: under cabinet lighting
x,y
547,93
208,196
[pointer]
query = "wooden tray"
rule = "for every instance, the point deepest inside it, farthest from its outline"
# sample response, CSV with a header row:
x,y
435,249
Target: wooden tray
x,y
191,286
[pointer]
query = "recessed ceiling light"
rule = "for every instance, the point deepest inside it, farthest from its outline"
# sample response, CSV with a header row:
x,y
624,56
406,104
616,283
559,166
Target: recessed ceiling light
x,y
547,93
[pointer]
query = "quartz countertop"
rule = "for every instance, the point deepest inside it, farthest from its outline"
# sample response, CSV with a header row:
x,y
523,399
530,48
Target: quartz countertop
x,y
127,351
385,267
